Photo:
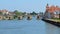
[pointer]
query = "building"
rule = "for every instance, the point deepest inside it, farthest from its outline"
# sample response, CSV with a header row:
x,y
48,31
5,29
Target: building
x,y
11,13
52,11
4,11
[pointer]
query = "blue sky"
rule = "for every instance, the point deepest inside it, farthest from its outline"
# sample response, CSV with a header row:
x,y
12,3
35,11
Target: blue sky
x,y
27,5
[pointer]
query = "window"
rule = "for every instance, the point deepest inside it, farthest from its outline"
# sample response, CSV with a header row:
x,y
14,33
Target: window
x,y
56,12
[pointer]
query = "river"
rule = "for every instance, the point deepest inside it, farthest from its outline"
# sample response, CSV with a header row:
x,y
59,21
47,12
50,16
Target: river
x,y
27,27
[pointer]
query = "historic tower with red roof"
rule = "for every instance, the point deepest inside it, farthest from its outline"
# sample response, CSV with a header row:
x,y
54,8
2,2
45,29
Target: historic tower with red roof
x,y
52,11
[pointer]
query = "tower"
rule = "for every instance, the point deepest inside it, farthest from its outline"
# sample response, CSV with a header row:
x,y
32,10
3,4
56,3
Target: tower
x,y
47,7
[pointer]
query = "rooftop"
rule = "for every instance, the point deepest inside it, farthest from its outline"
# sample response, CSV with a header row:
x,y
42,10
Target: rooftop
x,y
52,8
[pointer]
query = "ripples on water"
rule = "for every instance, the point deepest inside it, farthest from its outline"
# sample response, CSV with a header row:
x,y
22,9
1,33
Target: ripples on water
x,y
27,27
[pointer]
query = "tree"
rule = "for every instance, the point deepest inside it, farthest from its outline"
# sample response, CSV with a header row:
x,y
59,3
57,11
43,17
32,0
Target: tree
x,y
33,13
17,12
24,13
1,13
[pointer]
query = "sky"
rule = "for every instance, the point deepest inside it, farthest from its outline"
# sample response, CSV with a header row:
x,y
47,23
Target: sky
x,y
27,5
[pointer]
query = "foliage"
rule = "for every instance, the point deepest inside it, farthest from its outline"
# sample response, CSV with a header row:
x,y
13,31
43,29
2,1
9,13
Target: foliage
x,y
33,13
56,18
17,12
0,13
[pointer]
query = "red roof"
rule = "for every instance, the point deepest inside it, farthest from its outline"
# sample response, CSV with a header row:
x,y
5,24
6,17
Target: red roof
x,y
4,10
52,8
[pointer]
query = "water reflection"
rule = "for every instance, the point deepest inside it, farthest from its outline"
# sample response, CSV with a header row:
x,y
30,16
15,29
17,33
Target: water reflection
x,y
27,27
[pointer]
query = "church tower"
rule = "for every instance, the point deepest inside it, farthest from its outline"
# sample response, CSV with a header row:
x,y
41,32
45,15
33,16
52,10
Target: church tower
x,y
47,7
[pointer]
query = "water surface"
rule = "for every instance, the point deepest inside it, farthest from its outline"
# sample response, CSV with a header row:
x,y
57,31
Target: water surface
x,y
27,27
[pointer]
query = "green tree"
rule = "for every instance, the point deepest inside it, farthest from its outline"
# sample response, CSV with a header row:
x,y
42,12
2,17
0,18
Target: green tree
x,y
24,13
33,13
17,12
1,13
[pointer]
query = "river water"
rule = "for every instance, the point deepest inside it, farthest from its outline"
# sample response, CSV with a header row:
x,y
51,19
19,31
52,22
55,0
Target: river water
x,y
27,27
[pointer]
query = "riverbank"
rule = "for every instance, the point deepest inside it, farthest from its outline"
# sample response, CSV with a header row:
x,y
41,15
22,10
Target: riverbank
x,y
51,21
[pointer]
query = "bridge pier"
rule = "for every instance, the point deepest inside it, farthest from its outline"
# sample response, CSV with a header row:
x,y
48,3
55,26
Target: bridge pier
x,y
29,17
20,17
38,17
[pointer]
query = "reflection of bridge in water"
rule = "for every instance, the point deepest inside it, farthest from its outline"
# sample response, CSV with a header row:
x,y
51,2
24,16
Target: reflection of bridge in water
x,y
25,26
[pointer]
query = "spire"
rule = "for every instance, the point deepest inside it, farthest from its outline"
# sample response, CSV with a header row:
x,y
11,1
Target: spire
x,y
47,5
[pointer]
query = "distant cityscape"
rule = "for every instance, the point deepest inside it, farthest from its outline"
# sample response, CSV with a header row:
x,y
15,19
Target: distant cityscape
x,y
50,13
29,16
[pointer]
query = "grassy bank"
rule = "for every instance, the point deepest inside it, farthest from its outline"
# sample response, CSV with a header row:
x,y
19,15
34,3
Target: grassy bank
x,y
55,19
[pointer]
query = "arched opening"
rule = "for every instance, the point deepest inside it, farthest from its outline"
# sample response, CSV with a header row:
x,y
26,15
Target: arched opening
x,y
29,18
18,18
9,18
38,17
